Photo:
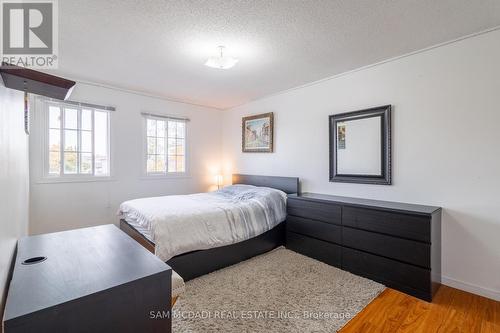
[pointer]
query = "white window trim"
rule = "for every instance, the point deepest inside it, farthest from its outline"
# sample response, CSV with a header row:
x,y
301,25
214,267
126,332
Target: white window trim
x,y
42,111
168,175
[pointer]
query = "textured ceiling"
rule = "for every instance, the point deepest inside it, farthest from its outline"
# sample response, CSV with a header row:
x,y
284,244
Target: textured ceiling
x,y
159,46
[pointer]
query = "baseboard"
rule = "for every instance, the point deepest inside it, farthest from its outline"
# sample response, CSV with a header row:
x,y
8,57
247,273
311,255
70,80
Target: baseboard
x,y
481,291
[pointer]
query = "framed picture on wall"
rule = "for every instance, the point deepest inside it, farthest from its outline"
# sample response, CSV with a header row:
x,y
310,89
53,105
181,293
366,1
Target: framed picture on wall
x,y
257,133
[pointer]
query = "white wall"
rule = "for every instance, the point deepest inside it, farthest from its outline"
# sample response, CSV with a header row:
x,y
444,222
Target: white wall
x,y
446,137
14,180
56,207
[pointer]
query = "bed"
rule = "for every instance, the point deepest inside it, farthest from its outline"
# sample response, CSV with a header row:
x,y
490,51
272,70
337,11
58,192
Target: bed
x,y
199,262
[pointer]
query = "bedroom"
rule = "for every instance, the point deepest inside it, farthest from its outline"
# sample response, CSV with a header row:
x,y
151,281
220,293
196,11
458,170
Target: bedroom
x,y
295,64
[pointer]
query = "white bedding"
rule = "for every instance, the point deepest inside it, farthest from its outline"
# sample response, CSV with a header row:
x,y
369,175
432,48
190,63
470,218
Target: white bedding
x,y
182,223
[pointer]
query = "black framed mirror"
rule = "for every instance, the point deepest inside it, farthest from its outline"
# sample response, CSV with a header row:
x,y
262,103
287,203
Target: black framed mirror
x,y
360,146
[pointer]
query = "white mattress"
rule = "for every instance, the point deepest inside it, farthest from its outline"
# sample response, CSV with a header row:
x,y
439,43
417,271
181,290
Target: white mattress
x,y
144,230
179,224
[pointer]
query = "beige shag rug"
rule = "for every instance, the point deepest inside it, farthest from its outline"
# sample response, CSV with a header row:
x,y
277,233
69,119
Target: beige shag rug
x,y
280,291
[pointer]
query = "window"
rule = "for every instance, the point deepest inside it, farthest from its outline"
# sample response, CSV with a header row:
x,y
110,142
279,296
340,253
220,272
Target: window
x,y
78,141
165,146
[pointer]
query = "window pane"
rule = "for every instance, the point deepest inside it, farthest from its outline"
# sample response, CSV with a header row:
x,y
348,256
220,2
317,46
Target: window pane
x,y
54,163
165,155
160,146
172,147
151,145
71,118
181,130
54,140
70,140
83,137
101,165
160,128
101,133
160,163
86,141
86,163
151,163
172,164
172,129
54,117
180,164
180,147
101,143
87,119
70,163
151,127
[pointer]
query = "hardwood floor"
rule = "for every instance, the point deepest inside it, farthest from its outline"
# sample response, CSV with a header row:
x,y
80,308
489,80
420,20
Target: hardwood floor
x,y
452,310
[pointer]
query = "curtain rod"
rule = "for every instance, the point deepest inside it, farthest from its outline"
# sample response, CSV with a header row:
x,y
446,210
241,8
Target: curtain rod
x,y
82,104
164,116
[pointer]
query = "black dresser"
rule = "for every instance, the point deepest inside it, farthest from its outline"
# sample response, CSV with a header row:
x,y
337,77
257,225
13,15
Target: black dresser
x,y
87,280
396,244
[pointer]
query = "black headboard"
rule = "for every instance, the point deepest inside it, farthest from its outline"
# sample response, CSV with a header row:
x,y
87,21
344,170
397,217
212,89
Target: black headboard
x,y
288,185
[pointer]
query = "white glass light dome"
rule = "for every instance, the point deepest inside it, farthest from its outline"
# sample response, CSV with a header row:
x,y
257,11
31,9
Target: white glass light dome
x,y
221,62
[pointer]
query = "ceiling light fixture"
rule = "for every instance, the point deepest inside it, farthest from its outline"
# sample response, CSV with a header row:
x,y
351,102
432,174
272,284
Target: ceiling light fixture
x,y
221,62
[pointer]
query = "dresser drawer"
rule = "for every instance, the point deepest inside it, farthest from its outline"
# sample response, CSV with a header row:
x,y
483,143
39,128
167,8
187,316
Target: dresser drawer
x,y
321,230
396,224
315,210
323,251
411,279
409,251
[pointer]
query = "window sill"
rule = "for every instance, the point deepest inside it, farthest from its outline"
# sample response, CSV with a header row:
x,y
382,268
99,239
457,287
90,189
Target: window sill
x,y
163,176
75,180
